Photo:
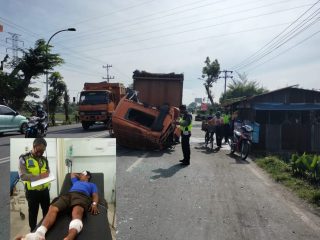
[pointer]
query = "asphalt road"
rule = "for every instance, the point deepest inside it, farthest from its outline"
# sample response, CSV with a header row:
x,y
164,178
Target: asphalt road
x,y
72,131
217,197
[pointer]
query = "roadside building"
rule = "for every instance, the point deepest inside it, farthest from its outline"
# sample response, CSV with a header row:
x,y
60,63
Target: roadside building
x,y
288,118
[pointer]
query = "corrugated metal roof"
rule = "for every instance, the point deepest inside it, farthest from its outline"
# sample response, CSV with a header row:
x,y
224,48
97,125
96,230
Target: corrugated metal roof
x,y
292,106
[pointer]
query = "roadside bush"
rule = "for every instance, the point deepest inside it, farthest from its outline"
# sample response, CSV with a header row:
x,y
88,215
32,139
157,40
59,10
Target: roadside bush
x,y
307,166
281,172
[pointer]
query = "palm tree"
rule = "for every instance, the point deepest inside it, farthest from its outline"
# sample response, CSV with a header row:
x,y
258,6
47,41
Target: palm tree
x,y
242,87
56,93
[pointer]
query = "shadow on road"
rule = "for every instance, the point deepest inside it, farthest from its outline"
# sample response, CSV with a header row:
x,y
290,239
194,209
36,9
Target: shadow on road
x,y
5,144
237,159
166,173
123,151
206,150
9,134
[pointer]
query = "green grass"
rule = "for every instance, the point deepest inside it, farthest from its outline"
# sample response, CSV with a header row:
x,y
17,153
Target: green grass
x,y
60,117
281,172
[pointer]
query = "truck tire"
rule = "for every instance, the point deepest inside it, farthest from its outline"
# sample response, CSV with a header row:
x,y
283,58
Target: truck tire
x,y
85,125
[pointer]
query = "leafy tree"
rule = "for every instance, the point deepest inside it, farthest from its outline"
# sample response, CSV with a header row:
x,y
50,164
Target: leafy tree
x,y
210,73
241,87
192,105
56,93
34,63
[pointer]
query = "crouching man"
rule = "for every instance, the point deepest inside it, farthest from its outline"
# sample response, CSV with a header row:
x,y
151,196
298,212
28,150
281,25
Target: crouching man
x,y
83,196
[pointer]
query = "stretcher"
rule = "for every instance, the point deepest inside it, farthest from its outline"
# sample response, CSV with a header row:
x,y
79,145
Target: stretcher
x,y
94,226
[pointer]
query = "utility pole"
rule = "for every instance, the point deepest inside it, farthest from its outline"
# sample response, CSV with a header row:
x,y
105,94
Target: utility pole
x,y
225,78
15,45
108,77
3,61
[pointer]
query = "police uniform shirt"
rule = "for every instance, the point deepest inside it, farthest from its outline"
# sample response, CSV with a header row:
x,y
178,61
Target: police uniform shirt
x,y
24,174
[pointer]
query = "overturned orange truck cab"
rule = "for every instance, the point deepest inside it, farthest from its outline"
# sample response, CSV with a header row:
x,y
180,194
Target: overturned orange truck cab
x,y
140,127
148,121
98,101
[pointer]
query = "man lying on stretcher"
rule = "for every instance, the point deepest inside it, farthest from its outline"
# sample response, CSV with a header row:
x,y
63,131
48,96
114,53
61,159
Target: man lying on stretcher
x,y
83,196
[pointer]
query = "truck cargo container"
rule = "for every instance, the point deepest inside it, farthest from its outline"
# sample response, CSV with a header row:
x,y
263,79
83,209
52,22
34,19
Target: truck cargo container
x,y
156,89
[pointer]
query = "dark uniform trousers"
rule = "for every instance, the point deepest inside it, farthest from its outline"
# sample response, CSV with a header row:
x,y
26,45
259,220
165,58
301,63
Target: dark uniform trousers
x,y
34,198
185,142
219,135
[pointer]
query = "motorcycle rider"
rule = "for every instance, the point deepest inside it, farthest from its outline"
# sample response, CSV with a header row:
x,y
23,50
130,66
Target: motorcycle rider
x,y
42,115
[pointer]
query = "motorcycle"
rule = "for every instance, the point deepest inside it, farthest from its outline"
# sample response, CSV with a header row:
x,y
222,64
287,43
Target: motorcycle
x,y
35,125
241,141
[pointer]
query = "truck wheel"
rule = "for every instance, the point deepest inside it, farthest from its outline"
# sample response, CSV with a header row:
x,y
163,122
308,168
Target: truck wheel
x,y
85,125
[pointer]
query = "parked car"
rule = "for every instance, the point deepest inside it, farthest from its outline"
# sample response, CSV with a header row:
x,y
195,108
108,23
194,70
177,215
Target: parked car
x,y
11,121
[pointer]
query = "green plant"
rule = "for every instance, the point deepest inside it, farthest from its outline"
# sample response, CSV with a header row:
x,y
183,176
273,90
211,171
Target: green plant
x,y
306,165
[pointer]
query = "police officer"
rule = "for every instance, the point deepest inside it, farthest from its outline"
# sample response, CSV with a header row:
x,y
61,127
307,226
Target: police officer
x,y
34,166
185,127
226,126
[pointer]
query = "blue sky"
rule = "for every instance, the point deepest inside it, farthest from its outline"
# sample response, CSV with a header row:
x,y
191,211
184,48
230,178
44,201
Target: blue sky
x,y
169,36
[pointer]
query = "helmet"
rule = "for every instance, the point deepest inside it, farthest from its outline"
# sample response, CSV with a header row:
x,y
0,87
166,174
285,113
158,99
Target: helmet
x,y
183,107
39,108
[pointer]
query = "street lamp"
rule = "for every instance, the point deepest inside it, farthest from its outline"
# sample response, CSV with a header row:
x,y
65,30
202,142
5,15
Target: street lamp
x,y
47,81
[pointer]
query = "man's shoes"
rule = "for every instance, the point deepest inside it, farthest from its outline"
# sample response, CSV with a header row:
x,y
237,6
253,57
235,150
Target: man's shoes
x,y
182,160
185,163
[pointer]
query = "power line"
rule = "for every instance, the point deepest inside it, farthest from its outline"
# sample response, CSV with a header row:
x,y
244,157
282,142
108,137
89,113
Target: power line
x,y
125,23
114,12
195,40
193,29
288,49
182,25
96,60
273,39
278,44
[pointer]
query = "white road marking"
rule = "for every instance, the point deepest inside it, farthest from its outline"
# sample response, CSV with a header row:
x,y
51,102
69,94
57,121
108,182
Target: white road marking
x,y
4,160
136,163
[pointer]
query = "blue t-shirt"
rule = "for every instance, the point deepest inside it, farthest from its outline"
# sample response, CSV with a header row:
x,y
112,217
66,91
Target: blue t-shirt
x,y
87,188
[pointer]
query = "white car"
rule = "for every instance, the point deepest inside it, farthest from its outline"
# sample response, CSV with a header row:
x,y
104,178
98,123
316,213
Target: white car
x,y
11,121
